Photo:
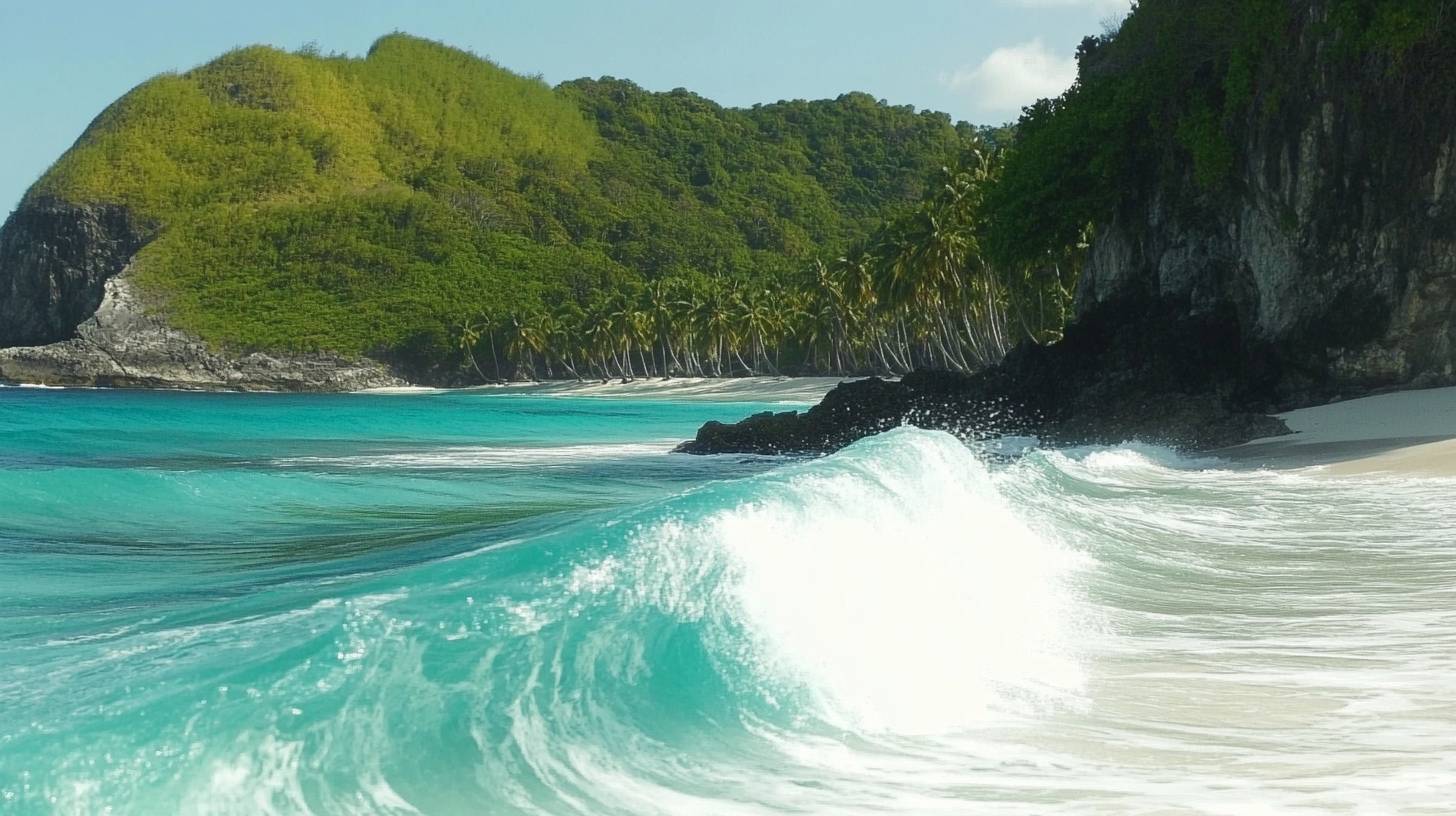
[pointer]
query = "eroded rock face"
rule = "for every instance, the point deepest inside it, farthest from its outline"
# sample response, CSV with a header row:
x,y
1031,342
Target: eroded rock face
x,y
55,259
121,345
1133,369
71,316
1337,251
1327,269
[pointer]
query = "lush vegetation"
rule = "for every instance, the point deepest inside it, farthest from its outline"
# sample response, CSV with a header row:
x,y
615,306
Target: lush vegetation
x,y
424,205
917,292
1168,94
382,205
990,255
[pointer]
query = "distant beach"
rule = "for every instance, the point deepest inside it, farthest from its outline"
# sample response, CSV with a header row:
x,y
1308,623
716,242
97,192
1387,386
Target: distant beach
x,y
787,390
1408,433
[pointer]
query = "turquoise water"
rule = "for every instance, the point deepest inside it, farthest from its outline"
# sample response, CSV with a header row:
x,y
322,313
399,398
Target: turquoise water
x,y
460,603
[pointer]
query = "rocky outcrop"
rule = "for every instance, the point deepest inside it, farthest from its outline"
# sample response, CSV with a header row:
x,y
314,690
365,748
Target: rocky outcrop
x,y
1336,255
55,259
70,316
1326,270
1129,370
121,345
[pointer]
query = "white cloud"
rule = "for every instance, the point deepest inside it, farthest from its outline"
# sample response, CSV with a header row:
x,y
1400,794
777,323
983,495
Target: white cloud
x,y
1014,76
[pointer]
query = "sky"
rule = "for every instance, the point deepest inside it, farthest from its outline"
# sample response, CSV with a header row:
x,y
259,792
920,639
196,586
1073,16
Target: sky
x,y
978,60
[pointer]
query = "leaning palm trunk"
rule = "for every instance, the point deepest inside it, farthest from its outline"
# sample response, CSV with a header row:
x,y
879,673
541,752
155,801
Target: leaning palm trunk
x,y
567,363
642,358
626,358
471,354
763,355
739,357
944,333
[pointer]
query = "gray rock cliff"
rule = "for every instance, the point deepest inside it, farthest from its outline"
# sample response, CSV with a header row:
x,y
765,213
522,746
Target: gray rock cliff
x,y
55,258
1324,268
70,315
1337,250
121,345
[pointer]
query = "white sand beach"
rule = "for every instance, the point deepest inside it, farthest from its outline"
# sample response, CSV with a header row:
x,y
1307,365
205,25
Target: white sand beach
x,y
1409,433
785,390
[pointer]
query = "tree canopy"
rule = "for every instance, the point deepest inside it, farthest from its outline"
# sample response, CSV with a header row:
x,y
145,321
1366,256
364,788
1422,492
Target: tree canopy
x,y
1169,93
374,204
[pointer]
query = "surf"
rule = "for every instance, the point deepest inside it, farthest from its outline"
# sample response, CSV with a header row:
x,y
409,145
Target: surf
x,y
914,623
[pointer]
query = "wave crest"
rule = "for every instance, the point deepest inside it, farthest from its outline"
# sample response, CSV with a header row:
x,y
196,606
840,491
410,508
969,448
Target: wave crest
x,y
891,585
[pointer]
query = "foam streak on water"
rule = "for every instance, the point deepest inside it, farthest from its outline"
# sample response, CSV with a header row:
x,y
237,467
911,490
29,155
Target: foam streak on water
x,y
407,616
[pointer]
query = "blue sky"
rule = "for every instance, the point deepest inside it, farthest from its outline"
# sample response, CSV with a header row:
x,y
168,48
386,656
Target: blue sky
x,y
62,61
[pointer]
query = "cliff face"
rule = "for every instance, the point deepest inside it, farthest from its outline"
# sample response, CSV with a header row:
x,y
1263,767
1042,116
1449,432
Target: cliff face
x,y
55,259
1336,252
379,204
122,345
71,316
1325,267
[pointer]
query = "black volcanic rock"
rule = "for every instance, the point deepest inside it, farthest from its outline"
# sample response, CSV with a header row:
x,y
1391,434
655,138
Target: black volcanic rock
x,y
1134,369
850,411
1326,269
55,259
70,315
123,346
1334,255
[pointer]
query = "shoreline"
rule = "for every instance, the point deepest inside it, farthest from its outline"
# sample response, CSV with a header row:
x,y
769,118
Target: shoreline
x,y
784,390
1408,433
781,389
1399,433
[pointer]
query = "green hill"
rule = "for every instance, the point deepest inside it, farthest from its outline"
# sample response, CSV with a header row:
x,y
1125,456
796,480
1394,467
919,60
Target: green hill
x,y
295,201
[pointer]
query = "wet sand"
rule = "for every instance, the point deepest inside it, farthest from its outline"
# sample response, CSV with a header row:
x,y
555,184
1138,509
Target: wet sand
x,y
1411,433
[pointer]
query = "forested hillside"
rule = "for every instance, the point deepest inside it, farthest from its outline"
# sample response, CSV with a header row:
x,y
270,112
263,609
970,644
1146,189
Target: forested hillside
x,y
391,205
1266,194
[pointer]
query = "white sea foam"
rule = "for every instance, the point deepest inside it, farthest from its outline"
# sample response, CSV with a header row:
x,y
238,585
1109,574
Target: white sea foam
x,y
891,583
898,628
782,390
905,592
480,456
1116,625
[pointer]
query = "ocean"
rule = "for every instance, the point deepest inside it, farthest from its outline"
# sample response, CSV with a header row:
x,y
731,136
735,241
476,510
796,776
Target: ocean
x,y
519,602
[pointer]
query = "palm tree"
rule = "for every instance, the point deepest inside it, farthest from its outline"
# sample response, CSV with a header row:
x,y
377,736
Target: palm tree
x,y
758,323
467,336
714,317
660,307
919,291
565,339
597,336
524,341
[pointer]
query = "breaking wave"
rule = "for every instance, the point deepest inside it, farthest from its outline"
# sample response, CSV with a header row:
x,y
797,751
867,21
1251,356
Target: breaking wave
x,y
899,627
